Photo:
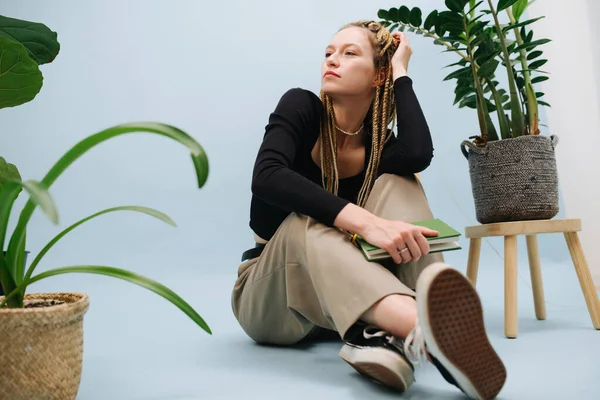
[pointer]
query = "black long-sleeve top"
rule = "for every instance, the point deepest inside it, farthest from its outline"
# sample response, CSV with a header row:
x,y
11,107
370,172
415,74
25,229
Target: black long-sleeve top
x,y
286,179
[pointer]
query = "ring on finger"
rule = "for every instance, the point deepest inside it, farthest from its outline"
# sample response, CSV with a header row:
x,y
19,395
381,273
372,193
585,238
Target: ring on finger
x,y
403,250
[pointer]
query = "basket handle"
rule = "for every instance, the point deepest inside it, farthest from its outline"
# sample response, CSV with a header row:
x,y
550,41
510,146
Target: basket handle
x,y
471,146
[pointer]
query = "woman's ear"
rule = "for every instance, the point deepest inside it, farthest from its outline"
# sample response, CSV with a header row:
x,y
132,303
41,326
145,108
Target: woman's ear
x,y
380,77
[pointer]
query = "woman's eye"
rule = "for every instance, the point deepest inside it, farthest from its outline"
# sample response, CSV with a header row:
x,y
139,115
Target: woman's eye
x,y
350,53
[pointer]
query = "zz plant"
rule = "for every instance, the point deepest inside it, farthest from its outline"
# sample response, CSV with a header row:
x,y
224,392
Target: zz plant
x,y
486,48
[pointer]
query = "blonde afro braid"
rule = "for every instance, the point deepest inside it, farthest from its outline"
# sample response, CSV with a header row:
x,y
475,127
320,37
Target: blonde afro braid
x,y
382,112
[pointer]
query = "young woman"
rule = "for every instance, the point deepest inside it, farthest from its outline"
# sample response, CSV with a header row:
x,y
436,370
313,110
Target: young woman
x,y
329,167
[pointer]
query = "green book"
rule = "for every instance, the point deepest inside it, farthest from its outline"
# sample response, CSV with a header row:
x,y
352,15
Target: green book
x,y
446,240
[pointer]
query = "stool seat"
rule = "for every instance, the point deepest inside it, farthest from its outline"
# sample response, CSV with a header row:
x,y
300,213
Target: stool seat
x,y
510,230
524,228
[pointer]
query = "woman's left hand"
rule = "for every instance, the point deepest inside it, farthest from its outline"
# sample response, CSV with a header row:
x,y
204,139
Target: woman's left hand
x,y
402,55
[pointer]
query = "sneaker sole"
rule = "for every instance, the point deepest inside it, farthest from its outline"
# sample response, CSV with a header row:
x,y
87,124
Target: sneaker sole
x,y
381,365
451,319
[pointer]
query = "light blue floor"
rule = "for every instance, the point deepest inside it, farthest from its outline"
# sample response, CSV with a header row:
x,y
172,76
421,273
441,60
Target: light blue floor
x,y
138,346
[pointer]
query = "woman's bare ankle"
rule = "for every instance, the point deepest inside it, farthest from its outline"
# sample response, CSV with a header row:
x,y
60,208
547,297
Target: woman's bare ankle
x,y
396,314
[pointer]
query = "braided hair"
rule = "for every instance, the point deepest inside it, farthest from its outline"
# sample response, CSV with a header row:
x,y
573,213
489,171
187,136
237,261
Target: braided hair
x,y
381,112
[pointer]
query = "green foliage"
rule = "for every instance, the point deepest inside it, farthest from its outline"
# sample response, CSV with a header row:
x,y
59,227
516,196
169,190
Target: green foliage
x,y
25,45
15,280
20,76
41,43
485,49
8,172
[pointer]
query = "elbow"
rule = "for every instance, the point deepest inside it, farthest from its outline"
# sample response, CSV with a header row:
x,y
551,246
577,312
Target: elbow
x,y
261,181
422,161
258,185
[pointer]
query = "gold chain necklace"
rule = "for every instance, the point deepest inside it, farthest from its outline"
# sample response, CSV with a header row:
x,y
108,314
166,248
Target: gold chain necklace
x,y
350,133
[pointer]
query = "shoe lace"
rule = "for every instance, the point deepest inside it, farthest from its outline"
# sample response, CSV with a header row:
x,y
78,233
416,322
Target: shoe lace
x,y
413,347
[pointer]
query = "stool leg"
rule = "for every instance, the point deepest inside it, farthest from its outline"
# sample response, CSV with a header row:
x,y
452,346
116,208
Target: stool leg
x,y
473,260
585,279
536,276
510,287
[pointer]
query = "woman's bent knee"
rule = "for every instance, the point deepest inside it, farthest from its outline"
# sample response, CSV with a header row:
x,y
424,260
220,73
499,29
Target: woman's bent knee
x,y
270,334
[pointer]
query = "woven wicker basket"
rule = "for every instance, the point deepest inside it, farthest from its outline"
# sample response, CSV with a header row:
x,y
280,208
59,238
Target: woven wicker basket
x,y
41,348
514,179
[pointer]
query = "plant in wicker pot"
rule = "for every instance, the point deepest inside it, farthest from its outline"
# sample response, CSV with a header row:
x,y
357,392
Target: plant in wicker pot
x,y
512,166
41,345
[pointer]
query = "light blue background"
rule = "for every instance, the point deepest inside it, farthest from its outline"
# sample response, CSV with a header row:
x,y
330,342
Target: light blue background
x,y
215,70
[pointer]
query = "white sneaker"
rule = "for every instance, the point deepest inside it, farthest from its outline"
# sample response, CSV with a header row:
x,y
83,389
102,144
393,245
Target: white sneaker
x,y
379,356
450,322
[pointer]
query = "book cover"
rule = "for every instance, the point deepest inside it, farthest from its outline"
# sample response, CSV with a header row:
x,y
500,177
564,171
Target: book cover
x,y
446,240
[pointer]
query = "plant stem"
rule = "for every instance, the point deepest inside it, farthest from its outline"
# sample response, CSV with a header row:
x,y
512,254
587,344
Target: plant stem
x,y
472,5
504,128
515,109
532,104
487,131
436,37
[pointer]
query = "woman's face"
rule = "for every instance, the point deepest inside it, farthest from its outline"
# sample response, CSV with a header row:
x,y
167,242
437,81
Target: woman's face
x,y
348,68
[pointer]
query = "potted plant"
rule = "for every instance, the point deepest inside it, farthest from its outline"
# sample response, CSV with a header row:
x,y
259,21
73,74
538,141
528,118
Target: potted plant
x,y
42,333
512,166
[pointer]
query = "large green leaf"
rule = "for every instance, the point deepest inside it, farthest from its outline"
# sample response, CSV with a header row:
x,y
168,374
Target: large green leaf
x,y
394,14
488,69
456,5
450,17
199,160
529,36
461,92
486,50
534,54
469,101
537,64
383,14
404,14
521,24
9,192
531,45
39,196
474,7
459,73
543,103
20,263
144,210
462,63
8,172
519,8
20,77
502,4
431,20
539,79
40,42
132,277
416,16
477,27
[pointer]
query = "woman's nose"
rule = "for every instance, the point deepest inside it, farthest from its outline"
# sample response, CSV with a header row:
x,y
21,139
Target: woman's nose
x,y
332,60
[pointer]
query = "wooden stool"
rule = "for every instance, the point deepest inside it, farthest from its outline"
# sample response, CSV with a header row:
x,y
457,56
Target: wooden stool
x,y
510,231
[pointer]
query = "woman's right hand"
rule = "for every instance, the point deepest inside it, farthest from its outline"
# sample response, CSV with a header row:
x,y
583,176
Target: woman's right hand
x,y
394,236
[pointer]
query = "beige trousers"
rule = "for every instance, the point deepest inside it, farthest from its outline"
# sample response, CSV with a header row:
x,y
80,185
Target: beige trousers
x,y
310,275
